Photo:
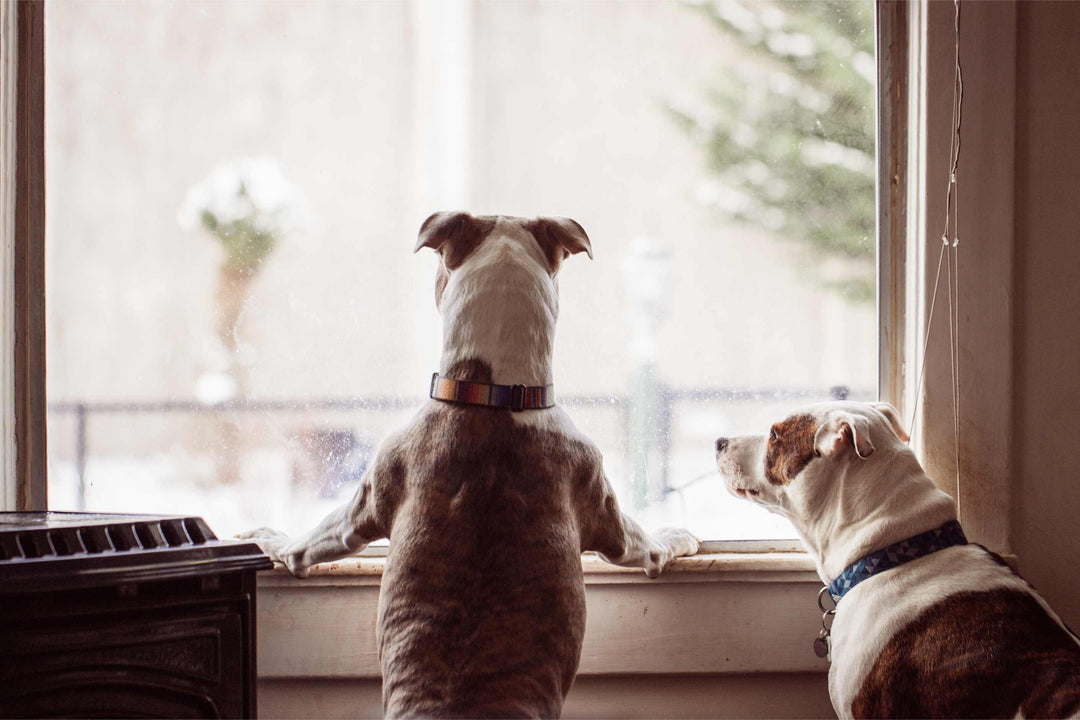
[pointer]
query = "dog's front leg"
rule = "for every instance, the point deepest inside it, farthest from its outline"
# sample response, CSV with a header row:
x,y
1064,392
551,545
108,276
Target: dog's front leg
x,y
344,532
619,540
638,548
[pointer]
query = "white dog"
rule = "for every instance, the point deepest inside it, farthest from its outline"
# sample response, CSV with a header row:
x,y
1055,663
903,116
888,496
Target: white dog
x,y
926,625
489,495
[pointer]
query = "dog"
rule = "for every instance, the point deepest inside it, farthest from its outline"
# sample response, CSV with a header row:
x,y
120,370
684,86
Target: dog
x,y
925,624
489,495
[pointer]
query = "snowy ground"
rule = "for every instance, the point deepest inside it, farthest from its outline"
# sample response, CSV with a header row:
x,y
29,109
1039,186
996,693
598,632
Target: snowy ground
x,y
181,481
183,485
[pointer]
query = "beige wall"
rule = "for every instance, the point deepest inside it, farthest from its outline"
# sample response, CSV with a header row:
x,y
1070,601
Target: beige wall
x,y
617,696
1046,496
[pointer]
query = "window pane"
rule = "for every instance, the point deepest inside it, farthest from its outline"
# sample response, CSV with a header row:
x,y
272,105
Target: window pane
x,y
236,316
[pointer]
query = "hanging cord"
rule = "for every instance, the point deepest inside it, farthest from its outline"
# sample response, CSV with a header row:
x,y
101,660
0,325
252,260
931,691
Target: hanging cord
x,y
949,255
953,252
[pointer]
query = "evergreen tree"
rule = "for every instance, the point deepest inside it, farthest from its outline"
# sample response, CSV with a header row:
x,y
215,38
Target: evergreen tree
x,y
789,132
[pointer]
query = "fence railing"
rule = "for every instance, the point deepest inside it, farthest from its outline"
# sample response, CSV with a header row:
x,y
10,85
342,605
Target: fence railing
x,y
668,404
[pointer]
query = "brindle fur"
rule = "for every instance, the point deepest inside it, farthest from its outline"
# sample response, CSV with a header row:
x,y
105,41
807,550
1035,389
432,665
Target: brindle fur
x,y
482,612
994,654
791,450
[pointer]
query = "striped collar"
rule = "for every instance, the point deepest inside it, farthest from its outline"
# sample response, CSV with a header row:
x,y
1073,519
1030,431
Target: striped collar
x,y
509,397
905,551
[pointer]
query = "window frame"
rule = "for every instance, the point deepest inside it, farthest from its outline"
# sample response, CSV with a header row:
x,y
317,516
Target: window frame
x,y
912,38
986,255
23,456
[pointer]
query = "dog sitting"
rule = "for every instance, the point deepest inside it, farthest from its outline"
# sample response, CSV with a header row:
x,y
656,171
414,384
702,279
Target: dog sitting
x,y
489,495
926,625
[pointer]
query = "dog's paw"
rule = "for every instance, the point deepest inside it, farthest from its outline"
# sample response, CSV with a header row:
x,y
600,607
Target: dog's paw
x,y
679,541
270,541
670,543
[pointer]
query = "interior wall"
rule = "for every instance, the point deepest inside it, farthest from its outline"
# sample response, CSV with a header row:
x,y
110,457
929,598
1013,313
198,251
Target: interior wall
x,y
1046,498
761,695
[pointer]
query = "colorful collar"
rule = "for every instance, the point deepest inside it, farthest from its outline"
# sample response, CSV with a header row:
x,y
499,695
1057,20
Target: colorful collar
x,y
897,554
510,397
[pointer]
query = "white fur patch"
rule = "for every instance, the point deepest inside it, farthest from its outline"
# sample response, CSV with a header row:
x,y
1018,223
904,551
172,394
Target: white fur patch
x,y
500,306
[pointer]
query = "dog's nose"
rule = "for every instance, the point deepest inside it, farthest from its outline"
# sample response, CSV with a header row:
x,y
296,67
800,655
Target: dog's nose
x,y
721,443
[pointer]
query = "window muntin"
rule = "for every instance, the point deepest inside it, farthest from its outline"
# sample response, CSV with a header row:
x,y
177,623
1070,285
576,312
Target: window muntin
x,y
692,322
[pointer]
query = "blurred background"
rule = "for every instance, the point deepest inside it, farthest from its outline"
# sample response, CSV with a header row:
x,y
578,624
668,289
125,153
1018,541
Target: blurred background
x,y
235,314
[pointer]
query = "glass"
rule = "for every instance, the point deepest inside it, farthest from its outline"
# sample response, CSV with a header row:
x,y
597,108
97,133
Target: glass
x,y
235,314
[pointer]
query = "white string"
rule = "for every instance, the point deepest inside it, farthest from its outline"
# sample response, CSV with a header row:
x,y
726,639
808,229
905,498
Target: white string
x,y
926,342
950,254
954,265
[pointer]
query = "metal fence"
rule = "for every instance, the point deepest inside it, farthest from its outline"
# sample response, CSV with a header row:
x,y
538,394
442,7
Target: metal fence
x,y
667,403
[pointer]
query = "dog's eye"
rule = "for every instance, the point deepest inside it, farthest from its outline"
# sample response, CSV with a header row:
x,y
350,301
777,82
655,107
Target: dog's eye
x,y
772,436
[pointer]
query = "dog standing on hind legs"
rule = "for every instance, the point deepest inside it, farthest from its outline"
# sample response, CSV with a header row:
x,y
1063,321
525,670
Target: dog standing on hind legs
x,y
489,495
926,624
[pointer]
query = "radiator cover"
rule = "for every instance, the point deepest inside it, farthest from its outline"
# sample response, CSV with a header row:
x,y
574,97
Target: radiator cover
x,y
125,616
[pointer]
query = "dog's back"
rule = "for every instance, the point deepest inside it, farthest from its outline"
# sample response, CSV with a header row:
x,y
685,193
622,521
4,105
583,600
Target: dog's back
x,y
483,605
989,648
488,505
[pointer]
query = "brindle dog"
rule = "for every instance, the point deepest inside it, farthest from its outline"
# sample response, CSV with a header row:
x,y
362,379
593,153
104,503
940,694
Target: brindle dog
x,y
482,610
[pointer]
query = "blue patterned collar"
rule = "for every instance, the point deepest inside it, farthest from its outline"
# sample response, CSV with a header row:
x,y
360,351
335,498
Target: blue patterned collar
x,y
897,554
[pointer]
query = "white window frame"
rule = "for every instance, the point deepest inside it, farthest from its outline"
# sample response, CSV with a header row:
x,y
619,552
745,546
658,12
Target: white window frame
x,y
725,612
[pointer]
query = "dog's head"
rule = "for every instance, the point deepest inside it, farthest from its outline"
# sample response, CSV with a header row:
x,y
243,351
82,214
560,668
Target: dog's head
x,y
792,469
844,476
497,292
510,246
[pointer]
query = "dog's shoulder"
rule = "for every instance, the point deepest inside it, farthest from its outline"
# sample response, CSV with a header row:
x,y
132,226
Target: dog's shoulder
x,y
554,430
585,450
445,432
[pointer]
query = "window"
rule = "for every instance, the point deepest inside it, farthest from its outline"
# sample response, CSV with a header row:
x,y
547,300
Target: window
x,y
234,314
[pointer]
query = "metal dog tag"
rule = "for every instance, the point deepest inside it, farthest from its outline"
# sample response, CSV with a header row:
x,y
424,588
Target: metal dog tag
x,y
821,644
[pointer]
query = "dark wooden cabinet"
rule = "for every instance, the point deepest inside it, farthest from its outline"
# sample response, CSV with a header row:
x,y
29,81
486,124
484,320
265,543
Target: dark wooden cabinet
x,y
125,616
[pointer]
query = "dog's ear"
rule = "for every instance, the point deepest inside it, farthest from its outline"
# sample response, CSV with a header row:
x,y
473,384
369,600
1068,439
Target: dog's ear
x,y
893,416
560,238
844,432
451,234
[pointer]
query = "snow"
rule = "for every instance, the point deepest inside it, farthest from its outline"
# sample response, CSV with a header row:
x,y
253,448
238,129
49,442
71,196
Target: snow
x,y
181,484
